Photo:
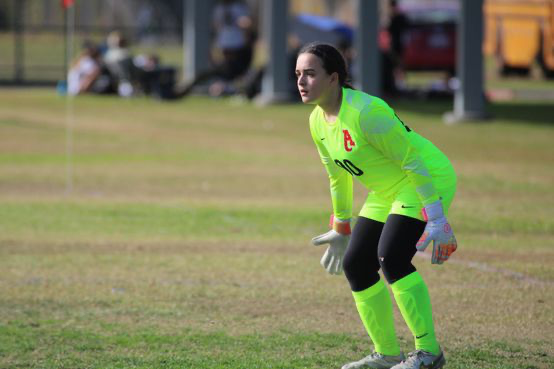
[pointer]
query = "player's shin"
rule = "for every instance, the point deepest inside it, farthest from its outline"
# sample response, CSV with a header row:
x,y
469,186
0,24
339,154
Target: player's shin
x,y
413,300
374,305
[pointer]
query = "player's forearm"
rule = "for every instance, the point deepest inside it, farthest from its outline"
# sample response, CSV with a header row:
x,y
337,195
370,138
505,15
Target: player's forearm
x,y
341,189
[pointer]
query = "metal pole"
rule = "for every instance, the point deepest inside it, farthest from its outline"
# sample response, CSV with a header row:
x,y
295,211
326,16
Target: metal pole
x,y
69,106
19,24
196,38
66,59
469,99
276,79
368,61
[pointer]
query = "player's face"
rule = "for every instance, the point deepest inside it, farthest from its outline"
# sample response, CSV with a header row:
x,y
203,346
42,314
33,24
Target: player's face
x,y
312,79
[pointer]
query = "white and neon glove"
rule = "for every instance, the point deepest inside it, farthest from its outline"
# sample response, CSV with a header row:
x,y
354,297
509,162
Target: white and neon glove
x,y
338,239
439,231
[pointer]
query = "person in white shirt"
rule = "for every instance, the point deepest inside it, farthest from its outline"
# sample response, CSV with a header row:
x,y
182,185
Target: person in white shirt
x,y
84,71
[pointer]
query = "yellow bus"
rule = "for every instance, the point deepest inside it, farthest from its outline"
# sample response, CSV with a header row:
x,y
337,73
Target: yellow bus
x,y
520,32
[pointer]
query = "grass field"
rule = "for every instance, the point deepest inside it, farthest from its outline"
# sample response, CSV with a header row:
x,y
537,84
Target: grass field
x,y
185,240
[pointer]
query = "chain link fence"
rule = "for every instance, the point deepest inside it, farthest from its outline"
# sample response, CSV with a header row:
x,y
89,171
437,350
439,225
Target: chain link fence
x,y
33,41
33,34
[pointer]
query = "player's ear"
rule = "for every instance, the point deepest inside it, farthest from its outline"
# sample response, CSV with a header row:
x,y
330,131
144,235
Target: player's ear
x,y
334,77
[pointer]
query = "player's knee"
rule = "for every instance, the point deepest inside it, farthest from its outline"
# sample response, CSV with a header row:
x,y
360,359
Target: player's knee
x,y
393,268
349,264
359,272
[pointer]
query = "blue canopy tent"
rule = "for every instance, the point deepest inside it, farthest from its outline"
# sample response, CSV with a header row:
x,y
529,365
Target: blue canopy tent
x,y
309,27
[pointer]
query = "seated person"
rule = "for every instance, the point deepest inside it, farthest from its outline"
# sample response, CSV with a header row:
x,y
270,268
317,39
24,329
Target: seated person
x,y
234,42
86,72
119,62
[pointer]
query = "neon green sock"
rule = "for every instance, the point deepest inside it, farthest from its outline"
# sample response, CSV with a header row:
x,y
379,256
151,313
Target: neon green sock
x,y
413,300
375,307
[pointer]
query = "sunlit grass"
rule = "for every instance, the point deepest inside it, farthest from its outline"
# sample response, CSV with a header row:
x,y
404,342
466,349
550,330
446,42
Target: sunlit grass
x,y
185,239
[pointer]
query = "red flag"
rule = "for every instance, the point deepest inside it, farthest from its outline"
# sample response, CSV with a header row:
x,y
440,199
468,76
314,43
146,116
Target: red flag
x,y
67,3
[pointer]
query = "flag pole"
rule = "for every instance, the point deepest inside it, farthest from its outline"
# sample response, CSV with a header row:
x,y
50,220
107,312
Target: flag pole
x,y
69,16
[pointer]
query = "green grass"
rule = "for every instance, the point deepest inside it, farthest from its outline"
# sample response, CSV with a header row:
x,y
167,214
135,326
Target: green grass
x,y
284,349
184,241
207,350
139,221
535,81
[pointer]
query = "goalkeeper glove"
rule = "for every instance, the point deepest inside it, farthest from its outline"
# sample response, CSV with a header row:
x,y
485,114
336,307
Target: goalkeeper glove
x,y
338,239
439,231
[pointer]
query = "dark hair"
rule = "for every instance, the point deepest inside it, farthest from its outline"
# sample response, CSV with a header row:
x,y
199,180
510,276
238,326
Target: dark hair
x,y
332,59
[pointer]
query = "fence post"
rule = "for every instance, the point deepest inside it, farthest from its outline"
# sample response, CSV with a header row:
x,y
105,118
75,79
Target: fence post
x,y
196,38
275,82
366,37
19,24
469,99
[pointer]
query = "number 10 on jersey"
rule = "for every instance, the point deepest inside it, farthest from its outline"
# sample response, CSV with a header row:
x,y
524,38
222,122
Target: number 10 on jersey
x,y
349,167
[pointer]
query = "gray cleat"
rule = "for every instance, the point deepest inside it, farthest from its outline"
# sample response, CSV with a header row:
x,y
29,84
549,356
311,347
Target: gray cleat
x,y
422,360
376,361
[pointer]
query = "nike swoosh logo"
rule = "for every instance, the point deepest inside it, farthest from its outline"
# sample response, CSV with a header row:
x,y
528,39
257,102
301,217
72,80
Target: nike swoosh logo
x,y
407,207
423,335
323,139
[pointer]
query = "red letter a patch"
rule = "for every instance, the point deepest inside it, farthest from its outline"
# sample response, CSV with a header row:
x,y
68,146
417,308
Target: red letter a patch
x,y
348,141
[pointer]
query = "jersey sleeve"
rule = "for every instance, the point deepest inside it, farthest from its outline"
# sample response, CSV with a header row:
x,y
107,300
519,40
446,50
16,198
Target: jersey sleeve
x,y
386,133
340,181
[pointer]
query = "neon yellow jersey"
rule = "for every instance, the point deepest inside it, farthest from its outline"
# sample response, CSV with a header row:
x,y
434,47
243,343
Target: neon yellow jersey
x,y
368,141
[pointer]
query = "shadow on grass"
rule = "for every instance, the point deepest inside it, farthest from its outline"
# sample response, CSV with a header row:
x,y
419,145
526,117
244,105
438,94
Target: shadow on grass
x,y
524,112
512,111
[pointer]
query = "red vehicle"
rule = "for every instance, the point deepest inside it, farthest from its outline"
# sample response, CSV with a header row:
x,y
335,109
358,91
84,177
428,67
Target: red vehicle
x,y
429,36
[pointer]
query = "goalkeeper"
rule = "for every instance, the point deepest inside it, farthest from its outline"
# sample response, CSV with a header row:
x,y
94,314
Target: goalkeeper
x,y
411,185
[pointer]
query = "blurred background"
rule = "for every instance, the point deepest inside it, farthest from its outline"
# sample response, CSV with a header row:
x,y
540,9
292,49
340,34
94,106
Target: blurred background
x,y
518,39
